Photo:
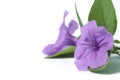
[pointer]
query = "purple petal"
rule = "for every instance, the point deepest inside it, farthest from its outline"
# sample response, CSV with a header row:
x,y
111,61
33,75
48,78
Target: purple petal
x,y
61,38
88,30
104,38
78,53
73,26
65,39
83,46
50,50
81,64
65,14
98,59
91,60
90,27
82,51
102,58
63,26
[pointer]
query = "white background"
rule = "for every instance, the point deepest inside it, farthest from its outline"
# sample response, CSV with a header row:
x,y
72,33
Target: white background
x,y
27,26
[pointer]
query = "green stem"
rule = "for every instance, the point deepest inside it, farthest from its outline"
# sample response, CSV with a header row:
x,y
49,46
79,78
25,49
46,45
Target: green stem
x,y
115,50
78,17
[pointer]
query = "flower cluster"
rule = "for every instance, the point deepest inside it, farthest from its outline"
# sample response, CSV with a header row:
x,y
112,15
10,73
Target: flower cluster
x,y
91,48
95,44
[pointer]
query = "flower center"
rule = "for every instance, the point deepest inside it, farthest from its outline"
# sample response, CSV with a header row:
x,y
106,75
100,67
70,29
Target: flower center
x,y
95,47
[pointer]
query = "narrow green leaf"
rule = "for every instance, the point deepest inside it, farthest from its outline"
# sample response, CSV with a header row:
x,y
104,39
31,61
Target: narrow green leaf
x,y
68,52
104,13
78,17
117,41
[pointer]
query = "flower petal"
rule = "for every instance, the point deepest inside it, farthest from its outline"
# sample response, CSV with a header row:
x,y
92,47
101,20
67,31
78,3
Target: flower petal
x,y
63,26
65,14
50,49
104,38
103,57
81,64
97,59
65,39
61,38
84,47
90,27
73,26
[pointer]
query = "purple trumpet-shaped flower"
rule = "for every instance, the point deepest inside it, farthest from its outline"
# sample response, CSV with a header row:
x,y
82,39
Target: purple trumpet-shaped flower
x,y
93,46
65,37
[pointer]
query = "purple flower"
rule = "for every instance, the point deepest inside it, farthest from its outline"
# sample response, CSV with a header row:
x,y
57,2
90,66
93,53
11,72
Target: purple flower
x,y
65,37
93,46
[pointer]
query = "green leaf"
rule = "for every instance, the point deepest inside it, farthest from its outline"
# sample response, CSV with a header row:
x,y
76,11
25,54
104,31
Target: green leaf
x,y
117,41
104,13
78,17
68,52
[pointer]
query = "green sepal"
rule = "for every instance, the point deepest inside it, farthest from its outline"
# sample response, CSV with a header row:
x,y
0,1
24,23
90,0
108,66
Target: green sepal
x,y
68,52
